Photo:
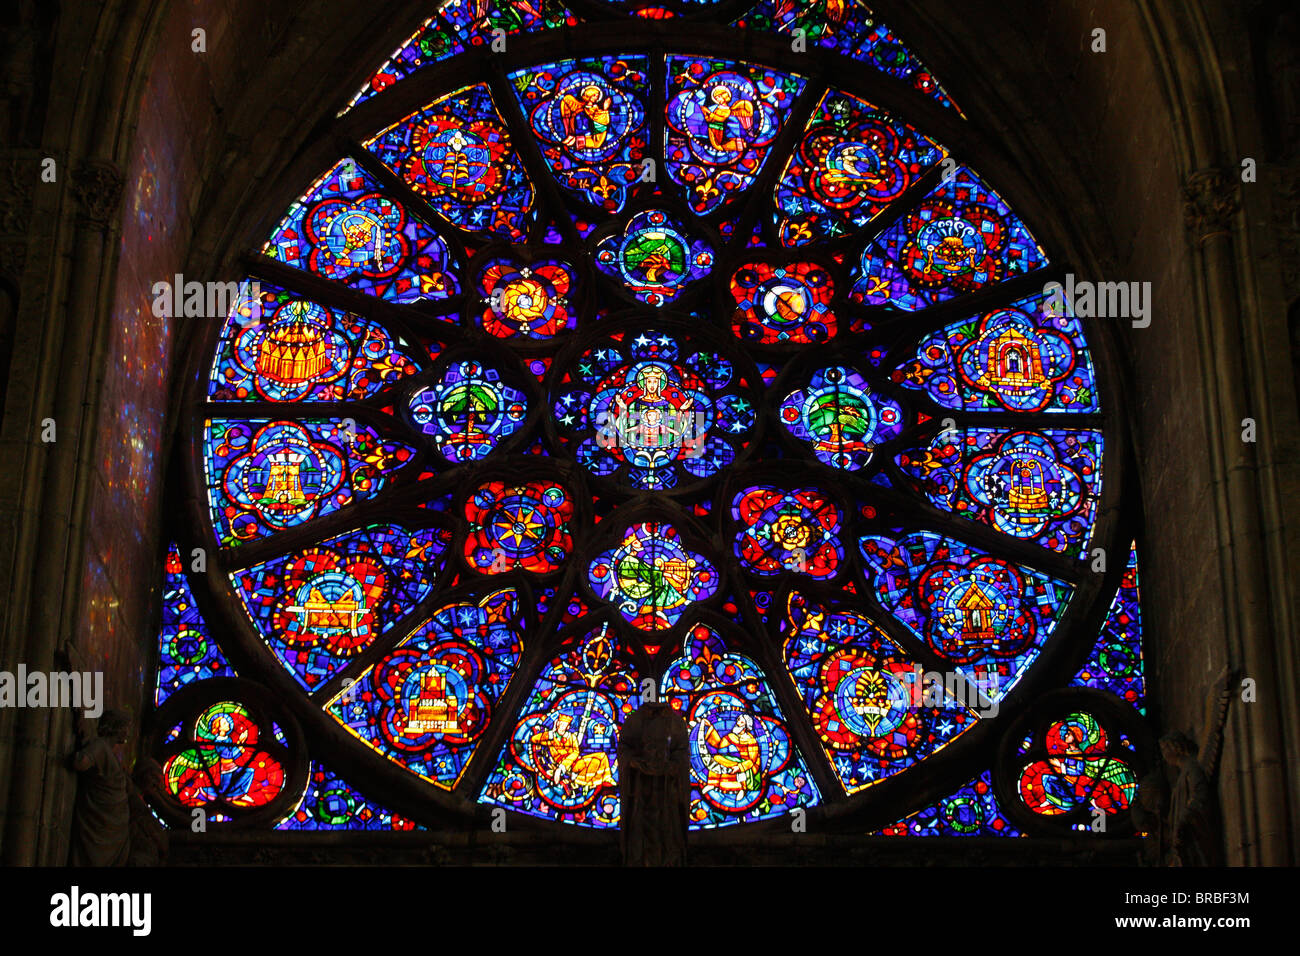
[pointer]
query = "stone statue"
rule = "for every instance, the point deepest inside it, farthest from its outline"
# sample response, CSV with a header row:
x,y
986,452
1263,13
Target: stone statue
x,y
1178,808
1193,833
101,822
1149,810
654,787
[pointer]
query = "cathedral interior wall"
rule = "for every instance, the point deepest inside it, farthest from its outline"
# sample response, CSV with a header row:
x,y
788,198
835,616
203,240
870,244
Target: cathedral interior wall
x,y
163,152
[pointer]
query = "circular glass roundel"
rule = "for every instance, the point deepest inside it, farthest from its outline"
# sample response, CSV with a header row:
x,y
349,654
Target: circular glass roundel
x,y
645,376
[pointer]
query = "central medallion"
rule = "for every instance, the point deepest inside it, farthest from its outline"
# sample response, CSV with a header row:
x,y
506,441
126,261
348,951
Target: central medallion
x,y
654,410
655,257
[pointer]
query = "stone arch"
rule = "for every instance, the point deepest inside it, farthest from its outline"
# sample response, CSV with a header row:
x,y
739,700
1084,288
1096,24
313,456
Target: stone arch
x,y
1140,147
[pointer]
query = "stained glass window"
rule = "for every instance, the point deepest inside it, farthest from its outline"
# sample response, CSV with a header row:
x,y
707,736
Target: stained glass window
x,y
594,373
187,649
331,803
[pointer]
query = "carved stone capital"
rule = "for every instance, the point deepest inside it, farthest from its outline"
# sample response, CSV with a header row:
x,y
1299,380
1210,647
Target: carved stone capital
x,y
97,186
1211,199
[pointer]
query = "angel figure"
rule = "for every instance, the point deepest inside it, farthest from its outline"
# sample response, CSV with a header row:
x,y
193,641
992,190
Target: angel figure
x,y
719,112
585,118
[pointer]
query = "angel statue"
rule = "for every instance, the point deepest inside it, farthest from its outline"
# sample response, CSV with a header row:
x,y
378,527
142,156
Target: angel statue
x,y
102,818
654,786
1178,808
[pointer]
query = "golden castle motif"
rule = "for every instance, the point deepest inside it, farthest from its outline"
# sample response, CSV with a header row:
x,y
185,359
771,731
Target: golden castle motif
x,y
1015,362
293,352
283,490
435,711
976,616
321,614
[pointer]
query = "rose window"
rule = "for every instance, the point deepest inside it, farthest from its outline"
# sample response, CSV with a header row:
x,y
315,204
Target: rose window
x,y
588,376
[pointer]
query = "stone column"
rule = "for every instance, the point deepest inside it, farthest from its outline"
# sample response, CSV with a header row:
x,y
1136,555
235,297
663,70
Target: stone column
x,y
40,782
1254,785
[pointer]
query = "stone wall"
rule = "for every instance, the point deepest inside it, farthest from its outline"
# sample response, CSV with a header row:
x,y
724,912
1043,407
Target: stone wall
x,y
165,153
154,142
